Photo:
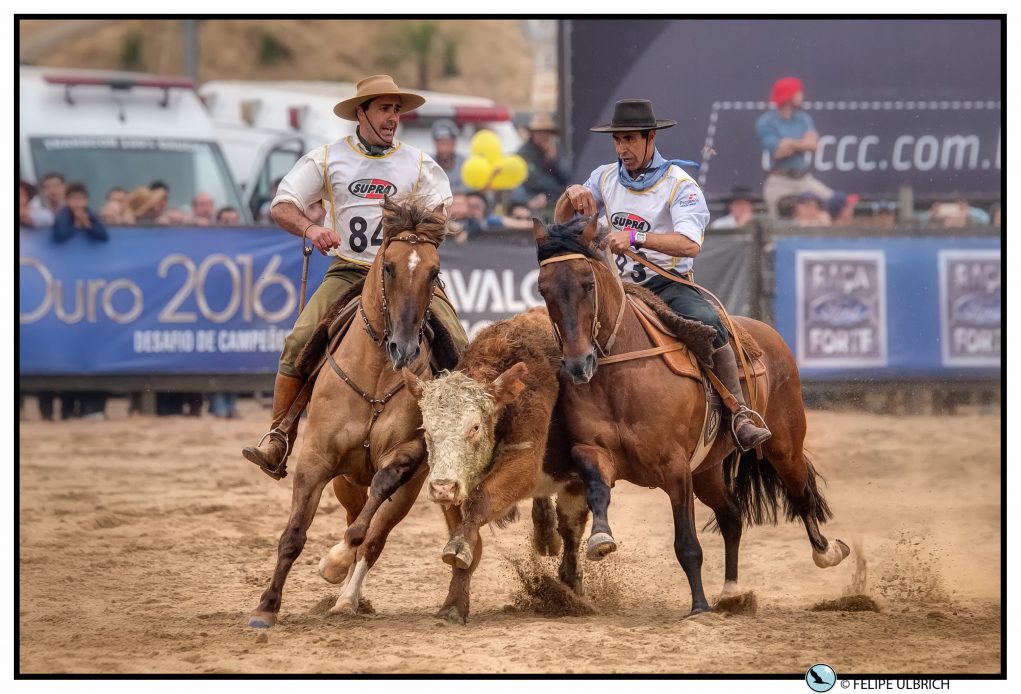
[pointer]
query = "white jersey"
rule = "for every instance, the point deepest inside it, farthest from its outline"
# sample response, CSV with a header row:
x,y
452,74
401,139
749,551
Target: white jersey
x,y
674,204
357,184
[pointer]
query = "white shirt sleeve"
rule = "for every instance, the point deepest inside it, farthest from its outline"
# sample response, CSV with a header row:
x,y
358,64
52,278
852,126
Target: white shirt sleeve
x,y
689,211
303,185
433,184
592,184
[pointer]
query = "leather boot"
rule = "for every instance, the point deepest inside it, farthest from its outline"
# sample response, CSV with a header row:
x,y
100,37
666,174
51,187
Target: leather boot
x,y
271,453
747,435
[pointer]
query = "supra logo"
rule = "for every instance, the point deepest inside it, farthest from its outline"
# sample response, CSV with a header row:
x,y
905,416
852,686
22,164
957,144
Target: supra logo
x,y
626,221
372,188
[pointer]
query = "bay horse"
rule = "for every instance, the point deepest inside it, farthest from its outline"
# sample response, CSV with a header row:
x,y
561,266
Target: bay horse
x,y
637,421
363,430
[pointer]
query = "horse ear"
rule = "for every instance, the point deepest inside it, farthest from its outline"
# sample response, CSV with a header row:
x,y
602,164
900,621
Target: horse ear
x,y
538,232
412,383
509,384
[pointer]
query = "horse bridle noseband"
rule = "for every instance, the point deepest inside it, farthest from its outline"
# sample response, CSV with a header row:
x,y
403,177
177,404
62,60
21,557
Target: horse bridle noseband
x,y
596,325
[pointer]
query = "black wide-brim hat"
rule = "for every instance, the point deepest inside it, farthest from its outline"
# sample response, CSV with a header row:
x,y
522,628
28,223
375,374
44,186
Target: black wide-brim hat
x,y
633,114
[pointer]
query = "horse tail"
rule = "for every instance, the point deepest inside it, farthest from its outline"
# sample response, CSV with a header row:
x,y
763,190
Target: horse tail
x,y
758,491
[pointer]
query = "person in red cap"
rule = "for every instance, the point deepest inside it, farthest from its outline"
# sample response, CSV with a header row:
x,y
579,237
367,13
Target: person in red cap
x,y
788,135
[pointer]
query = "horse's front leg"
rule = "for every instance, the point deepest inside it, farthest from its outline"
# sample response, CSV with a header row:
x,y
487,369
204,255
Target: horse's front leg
x,y
591,462
388,516
311,475
396,467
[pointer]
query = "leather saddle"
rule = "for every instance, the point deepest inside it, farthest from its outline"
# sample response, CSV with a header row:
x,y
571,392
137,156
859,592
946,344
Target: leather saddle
x,y
682,362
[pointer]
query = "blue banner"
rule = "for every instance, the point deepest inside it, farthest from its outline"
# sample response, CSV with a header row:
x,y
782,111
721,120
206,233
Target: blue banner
x,y
888,308
159,300
211,300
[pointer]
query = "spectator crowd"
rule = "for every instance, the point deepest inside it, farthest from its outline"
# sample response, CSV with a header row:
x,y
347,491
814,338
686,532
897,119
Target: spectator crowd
x,y
791,196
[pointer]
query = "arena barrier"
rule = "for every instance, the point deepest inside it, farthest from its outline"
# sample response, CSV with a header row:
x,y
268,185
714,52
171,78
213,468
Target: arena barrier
x,y
208,308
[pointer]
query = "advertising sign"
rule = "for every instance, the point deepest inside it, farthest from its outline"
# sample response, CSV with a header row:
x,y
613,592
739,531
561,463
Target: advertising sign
x,y
970,312
841,301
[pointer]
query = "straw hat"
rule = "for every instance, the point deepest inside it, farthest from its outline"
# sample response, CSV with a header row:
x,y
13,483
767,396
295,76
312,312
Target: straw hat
x,y
142,200
543,122
371,87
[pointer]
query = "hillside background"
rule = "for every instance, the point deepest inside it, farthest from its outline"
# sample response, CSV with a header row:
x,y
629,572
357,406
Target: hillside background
x,y
506,60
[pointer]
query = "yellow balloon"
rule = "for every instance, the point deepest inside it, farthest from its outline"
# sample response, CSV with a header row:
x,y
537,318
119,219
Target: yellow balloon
x,y
486,144
476,171
512,172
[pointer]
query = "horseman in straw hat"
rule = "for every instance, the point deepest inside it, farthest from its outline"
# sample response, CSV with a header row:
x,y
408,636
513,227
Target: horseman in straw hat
x,y
350,177
650,204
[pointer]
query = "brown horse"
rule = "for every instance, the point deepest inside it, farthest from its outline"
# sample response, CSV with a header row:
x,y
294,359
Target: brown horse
x,y
637,421
363,427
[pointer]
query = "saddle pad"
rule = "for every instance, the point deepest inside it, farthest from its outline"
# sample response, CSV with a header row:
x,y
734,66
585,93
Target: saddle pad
x,y
682,362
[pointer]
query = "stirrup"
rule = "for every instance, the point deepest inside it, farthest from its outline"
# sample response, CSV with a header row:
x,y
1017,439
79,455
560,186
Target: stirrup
x,y
287,441
749,413
278,471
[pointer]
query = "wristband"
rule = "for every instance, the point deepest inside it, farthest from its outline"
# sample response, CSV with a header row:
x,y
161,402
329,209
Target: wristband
x,y
632,242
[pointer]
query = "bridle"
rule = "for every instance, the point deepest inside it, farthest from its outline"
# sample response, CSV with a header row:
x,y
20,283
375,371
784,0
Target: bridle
x,y
379,341
603,350
377,404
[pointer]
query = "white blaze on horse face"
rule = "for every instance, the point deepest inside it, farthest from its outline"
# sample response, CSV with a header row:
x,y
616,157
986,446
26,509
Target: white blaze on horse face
x,y
459,416
413,261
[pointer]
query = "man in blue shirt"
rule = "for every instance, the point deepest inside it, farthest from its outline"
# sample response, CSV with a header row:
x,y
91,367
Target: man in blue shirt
x,y
788,135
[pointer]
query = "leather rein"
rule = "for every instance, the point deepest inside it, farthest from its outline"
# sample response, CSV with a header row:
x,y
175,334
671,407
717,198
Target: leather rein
x,y
604,350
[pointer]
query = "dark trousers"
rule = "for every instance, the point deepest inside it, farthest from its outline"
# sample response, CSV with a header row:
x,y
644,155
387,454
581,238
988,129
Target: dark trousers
x,y
689,303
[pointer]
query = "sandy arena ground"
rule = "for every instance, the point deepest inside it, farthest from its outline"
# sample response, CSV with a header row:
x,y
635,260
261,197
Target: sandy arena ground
x,y
146,541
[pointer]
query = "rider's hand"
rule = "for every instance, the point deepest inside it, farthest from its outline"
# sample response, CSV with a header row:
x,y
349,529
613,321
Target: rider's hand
x,y
322,238
619,241
582,200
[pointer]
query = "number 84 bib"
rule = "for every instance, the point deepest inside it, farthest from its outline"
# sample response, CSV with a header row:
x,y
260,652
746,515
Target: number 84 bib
x,y
357,185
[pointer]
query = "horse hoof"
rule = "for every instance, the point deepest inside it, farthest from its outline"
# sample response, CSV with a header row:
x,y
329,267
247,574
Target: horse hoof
x,y
344,607
835,553
262,620
457,554
737,603
335,566
330,572
696,611
599,545
452,614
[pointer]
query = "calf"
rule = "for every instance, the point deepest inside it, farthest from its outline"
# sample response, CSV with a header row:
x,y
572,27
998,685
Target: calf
x,y
491,444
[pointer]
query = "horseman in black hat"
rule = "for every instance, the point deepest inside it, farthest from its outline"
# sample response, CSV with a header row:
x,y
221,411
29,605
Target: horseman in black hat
x,y
650,204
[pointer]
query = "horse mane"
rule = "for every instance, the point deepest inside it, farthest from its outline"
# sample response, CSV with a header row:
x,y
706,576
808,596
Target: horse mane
x,y
564,238
410,213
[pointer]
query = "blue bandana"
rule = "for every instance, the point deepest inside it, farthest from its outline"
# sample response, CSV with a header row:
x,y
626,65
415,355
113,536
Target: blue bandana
x,y
656,169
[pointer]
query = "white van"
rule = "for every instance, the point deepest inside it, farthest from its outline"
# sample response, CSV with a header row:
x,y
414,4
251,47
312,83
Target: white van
x,y
264,127
120,129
